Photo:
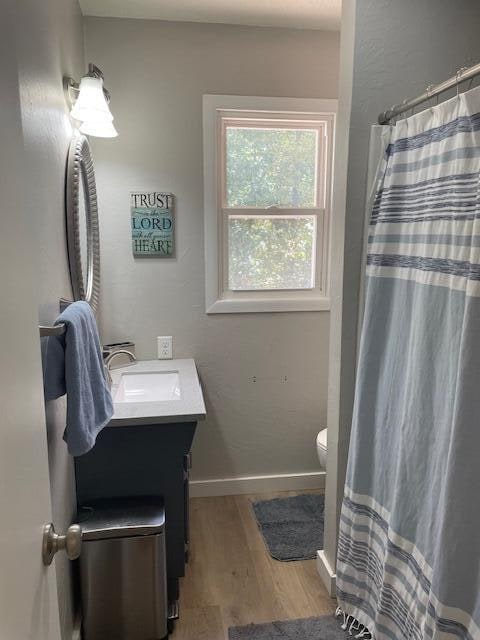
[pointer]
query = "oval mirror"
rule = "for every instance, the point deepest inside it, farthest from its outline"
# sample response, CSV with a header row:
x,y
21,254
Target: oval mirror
x,y
83,241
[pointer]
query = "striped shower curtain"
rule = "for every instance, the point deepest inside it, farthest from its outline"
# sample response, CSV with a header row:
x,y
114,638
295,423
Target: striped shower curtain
x,y
409,544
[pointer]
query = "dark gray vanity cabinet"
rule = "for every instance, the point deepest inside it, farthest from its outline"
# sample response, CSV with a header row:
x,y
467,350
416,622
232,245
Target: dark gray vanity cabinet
x,y
144,460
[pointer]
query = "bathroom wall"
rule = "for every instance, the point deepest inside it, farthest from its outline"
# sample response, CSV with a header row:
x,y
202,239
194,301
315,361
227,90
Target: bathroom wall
x,y
399,49
50,46
157,73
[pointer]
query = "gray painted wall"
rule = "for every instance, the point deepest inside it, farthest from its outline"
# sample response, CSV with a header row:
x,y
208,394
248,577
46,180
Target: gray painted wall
x,y
51,46
399,49
157,73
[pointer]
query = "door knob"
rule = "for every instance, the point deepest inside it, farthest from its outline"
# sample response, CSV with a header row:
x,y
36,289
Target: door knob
x,y
71,542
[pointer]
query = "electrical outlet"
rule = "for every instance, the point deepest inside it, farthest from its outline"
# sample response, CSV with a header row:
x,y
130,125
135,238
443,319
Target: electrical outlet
x,y
165,347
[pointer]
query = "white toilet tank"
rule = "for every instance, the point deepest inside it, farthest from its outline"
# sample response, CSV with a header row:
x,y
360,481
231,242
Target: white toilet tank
x,y
322,448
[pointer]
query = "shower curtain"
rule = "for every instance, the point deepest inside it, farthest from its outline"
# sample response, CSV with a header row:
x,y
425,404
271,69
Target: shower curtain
x,y
409,542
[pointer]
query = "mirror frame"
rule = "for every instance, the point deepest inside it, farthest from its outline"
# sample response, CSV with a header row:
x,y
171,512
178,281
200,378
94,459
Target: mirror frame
x,y
80,168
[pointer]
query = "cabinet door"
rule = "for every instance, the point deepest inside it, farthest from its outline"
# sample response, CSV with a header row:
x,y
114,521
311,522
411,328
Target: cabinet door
x,y
187,464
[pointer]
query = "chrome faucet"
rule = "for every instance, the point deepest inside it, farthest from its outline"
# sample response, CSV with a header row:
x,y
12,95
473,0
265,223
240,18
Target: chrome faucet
x,y
108,361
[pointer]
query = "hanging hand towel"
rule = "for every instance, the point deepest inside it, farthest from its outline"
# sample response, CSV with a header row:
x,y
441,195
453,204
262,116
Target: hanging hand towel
x,y
73,364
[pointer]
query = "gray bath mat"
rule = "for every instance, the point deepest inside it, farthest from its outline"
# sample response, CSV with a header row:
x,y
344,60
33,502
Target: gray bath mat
x,y
325,628
292,527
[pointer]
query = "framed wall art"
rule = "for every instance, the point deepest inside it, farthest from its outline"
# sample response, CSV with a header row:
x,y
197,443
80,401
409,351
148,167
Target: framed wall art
x,y
153,224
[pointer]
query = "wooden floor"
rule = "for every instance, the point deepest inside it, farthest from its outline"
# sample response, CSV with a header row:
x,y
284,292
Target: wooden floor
x,y
231,580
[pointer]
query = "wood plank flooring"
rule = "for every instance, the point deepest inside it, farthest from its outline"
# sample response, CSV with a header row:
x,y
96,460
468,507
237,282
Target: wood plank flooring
x,y
232,580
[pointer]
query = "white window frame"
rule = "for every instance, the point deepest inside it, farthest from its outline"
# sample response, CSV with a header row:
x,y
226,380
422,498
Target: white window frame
x,y
218,298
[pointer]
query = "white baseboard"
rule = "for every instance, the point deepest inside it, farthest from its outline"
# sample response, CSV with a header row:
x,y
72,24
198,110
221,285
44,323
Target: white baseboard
x,y
77,628
327,574
257,484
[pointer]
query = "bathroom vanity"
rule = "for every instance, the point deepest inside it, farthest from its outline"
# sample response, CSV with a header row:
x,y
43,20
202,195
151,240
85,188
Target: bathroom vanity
x,y
145,449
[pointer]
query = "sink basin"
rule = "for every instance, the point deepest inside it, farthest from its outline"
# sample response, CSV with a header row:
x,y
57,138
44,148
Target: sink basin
x,y
156,392
148,386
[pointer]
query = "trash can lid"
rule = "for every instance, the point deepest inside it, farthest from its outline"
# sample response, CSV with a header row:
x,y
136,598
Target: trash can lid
x,y
122,517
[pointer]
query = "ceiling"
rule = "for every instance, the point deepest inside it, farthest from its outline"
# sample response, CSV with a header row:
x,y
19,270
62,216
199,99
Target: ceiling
x,y
299,14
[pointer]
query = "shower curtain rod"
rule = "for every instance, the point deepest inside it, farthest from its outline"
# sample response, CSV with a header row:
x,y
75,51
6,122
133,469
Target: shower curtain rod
x,y
466,73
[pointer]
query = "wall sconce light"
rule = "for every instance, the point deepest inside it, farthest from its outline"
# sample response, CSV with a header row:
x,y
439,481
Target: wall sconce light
x,y
90,104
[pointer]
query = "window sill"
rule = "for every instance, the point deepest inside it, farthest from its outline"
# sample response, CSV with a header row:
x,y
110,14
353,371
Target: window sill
x,y
269,305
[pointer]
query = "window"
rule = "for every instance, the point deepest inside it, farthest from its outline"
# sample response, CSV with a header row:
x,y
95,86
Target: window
x,y
267,203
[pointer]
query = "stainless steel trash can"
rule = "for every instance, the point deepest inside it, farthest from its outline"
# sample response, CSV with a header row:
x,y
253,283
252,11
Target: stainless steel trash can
x,y
123,569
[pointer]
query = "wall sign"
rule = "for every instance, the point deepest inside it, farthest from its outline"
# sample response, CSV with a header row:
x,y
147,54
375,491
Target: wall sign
x,y
153,224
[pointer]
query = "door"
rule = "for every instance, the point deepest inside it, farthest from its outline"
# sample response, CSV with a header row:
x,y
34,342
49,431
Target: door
x,y
28,592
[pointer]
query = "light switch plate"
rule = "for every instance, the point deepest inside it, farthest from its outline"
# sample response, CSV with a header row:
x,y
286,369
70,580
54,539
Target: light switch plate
x,y
165,347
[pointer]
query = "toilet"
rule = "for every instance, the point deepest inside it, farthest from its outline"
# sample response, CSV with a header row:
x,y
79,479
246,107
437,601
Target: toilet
x,y
322,448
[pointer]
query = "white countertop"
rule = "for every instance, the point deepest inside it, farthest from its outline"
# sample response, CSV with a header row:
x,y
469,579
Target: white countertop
x,y
190,407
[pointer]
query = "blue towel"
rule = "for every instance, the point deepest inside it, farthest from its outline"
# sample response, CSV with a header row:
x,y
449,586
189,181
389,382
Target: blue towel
x,y
73,364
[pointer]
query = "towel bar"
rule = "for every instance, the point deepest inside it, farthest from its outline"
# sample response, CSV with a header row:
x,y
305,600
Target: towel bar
x,y
56,330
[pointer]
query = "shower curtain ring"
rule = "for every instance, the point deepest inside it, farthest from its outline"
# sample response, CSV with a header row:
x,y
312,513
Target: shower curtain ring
x,y
393,114
458,76
429,92
404,103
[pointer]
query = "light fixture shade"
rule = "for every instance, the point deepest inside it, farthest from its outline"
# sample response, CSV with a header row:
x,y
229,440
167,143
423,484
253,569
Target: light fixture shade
x,y
99,128
91,104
